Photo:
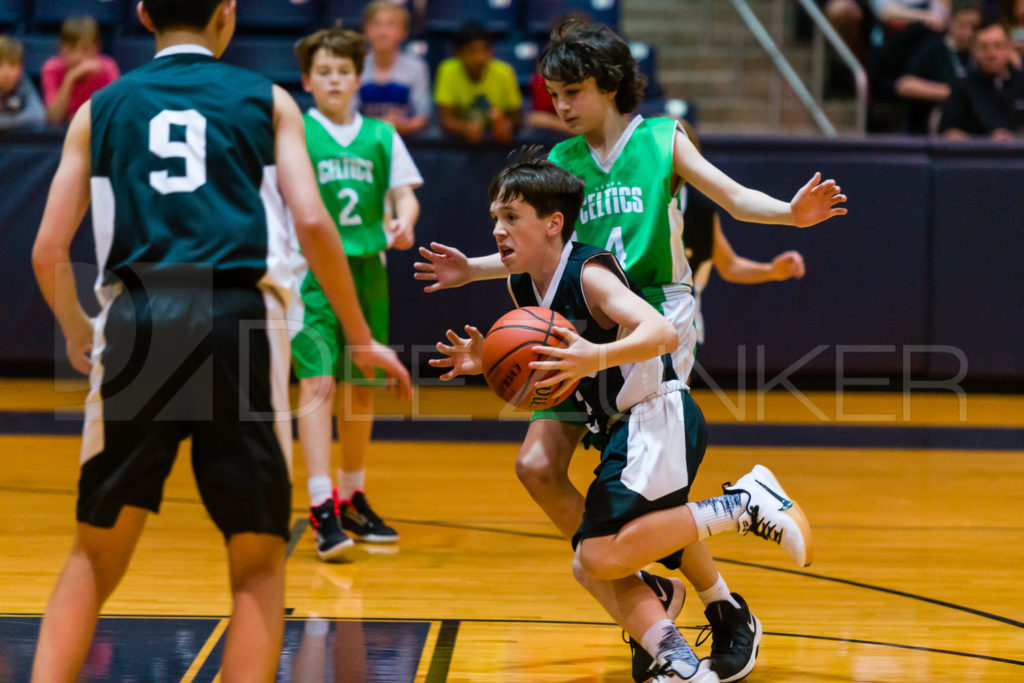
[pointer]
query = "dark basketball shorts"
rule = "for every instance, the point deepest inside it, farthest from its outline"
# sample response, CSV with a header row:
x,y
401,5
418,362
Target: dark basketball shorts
x,y
650,461
210,364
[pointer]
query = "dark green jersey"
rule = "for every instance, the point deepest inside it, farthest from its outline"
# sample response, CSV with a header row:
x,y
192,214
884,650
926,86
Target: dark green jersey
x,y
183,174
614,389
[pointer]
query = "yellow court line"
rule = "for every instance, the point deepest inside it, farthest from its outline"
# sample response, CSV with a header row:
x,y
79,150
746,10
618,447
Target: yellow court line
x,y
427,655
205,651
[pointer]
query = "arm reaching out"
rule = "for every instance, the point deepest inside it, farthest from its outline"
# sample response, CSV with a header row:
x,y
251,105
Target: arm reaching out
x,y
449,267
813,203
321,244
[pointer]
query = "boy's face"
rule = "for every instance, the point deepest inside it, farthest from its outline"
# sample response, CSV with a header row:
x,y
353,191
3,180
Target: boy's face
x,y
332,80
74,55
474,57
582,106
10,74
962,26
522,236
386,30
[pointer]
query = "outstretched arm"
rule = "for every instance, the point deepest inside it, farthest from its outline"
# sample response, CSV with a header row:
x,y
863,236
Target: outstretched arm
x,y
51,254
449,267
813,203
321,244
735,268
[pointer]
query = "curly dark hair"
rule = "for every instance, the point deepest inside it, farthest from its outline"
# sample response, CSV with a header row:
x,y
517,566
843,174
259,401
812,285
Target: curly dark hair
x,y
579,50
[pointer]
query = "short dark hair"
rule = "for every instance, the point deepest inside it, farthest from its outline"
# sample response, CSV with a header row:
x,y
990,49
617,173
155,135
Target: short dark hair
x,y
338,41
168,14
542,185
991,23
470,32
579,50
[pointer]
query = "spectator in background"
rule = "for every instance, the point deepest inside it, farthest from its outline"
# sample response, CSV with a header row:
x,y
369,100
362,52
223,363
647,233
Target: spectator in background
x,y
938,62
1011,13
71,77
989,100
477,95
20,106
395,84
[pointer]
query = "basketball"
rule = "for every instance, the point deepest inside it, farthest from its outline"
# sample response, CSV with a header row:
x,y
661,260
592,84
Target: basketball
x,y
507,354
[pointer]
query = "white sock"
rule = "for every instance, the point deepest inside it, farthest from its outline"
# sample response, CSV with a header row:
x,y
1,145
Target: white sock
x,y
719,591
716,515
316,626
663,640
319,490
350,482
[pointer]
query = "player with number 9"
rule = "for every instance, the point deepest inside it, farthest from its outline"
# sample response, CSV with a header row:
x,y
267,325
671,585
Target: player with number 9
x,y
188,164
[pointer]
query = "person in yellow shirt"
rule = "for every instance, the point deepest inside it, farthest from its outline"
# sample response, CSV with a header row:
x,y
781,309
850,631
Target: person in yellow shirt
x,y
477,95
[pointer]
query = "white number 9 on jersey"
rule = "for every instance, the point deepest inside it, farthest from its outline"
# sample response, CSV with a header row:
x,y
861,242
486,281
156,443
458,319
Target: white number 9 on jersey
x,y
192,150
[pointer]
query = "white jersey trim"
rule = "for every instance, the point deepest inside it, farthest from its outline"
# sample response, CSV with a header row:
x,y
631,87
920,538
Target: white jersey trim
x,y
549,295
613,156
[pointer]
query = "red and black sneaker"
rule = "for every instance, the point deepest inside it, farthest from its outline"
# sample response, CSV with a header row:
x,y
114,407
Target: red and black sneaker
x,y
331,540
359,519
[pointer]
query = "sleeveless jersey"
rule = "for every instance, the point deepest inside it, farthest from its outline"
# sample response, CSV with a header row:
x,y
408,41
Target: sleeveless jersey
x,y
353,181
611,391
629,207
183,178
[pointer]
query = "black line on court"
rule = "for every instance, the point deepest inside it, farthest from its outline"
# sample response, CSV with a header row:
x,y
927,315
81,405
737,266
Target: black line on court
x,y
298,528
880,589
443,650
752,434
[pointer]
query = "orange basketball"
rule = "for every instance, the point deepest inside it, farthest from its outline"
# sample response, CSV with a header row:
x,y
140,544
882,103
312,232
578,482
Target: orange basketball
x,y
507,354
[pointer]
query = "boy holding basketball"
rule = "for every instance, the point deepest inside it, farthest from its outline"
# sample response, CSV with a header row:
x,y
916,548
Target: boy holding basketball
x,y
637,410
188,182
633,169
361,164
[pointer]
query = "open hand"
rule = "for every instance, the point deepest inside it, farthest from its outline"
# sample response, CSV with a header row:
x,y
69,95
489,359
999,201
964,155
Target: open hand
x,y
816,201
462,355
579,359
447,266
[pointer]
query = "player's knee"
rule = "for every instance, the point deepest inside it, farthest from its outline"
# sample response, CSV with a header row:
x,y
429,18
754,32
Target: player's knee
x,y
536,470
599,561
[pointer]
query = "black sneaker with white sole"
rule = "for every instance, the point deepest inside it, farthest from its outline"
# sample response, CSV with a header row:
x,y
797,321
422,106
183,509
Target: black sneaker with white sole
x,y
331,541
735,638
359,519
672,594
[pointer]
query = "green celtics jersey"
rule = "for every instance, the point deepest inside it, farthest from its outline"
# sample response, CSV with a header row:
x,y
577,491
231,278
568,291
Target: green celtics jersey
x,y
353,180
629,207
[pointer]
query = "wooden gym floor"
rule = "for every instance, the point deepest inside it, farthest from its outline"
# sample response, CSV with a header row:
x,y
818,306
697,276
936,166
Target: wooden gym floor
x,y
917,508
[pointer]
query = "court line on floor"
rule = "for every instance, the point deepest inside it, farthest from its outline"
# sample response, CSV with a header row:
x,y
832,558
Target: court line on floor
x,y
205,650
441,660
527,534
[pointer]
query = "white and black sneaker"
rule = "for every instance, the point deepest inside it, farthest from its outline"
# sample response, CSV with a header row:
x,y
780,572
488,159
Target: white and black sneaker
x,y
359,519
331,541
735,638
671,671
672,594
772,515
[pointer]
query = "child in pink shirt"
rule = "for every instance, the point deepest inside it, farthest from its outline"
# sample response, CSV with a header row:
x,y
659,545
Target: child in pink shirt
x,y
70,78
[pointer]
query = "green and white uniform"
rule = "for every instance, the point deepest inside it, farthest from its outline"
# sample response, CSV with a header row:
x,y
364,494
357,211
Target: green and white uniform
x,y
632,208
355,165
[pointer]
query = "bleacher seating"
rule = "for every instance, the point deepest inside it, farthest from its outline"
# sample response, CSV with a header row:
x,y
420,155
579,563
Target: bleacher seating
x,y
522,55
275,16
38,48
499,16
273,57
47,13
13,13
349,12
131,52
542,14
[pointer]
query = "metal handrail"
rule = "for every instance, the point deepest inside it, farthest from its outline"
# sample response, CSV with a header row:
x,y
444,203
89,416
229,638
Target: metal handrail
x,y
860,77
783,66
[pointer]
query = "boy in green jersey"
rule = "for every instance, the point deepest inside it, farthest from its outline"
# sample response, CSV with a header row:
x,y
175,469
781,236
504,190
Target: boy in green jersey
x,y
361,166
191,341
633,169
